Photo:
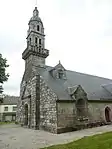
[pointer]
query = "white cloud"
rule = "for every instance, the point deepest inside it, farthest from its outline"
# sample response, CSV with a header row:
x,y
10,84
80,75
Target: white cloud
x,y
79,33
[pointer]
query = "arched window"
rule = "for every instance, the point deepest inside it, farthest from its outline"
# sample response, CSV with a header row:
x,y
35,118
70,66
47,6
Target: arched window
x,y
108,114
30,40
40,41
38,28
60,74
81,107
36,40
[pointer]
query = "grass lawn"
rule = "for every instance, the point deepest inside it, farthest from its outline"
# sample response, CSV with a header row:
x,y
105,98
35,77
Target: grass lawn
x,y
3,123
102,141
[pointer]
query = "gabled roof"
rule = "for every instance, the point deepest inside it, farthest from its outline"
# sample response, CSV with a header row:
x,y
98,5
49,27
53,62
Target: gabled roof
x,y
95,87
10,100
59,66
92,85
72,89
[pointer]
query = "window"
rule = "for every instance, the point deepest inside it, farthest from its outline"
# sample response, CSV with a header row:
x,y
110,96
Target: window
x,y
60,74
39,41
35,40
30,40
5,108
38,28
14,108
13,117
81,107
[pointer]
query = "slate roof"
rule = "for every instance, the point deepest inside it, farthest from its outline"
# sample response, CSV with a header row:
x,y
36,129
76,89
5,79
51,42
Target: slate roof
x,y
92,85
10,100
95,87
108,87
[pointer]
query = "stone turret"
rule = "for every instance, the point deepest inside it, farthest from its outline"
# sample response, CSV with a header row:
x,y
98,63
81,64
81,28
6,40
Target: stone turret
x,y
35,53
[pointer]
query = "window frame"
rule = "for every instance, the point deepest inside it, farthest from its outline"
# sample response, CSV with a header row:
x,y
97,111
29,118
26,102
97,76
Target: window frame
x,y
40,41
5,109
36,40
38,28
14,107
30,40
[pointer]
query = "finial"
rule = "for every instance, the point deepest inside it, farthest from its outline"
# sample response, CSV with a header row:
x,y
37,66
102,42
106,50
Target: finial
x,y
35,12
59,62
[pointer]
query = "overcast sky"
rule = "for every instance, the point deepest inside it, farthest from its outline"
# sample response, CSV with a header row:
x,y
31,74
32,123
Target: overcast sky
x,y
78,32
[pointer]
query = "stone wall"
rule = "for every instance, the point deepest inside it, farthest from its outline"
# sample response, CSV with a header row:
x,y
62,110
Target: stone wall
x,y
97,111
66,115
28,98
19,112
67,118
48,112
33,102
41,101
34,61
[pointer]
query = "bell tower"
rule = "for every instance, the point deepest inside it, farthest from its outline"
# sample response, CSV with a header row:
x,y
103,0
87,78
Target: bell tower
x,y
35,53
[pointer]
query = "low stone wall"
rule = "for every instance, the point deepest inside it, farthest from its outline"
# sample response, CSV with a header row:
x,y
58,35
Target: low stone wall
x,y
81,126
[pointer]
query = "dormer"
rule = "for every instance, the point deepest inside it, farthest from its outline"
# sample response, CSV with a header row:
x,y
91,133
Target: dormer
x,y
58,72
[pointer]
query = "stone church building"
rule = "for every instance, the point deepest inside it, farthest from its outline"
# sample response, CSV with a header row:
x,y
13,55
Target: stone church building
x,y
56,99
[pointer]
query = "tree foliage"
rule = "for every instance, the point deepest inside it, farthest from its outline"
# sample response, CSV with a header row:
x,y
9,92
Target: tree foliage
x,y
3,75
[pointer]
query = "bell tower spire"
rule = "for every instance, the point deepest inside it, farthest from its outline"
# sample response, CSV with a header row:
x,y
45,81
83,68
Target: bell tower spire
x,y
35,52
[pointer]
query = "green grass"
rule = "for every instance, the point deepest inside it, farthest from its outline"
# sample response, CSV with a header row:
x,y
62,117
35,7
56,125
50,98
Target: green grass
x,y
4,123
102,141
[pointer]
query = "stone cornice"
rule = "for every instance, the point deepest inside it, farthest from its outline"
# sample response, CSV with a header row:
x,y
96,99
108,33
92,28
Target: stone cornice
x,y
35,51
36,33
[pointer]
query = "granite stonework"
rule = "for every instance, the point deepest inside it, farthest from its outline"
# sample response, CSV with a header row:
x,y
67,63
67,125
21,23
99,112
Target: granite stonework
x,y
28,97
97,111
48,111
66,115
56,99
41,101
68,120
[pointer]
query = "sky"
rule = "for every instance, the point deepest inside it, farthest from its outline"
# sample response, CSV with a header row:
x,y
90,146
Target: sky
x,y
78,33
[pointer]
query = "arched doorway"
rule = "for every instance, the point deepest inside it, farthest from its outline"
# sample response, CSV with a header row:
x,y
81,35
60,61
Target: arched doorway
x,y
107,114
26,114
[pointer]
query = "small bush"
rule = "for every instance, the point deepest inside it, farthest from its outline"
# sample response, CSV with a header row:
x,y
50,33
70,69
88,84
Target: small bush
x,y
16,123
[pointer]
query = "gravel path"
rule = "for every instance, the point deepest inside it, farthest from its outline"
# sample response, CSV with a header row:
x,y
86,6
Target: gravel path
x,y
15,137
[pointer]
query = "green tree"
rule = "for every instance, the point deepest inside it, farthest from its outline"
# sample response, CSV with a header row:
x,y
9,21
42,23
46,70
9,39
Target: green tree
x,y
3,75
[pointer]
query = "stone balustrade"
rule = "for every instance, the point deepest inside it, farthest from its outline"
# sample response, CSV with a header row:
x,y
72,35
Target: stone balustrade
x,y
35,51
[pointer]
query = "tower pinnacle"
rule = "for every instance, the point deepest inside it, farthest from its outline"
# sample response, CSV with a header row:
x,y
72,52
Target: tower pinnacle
x,y
35,12
35,50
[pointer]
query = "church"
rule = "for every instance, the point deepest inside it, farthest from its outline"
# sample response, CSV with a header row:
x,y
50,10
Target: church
x,y
55,99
